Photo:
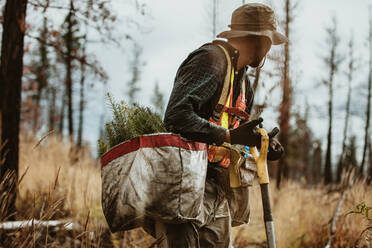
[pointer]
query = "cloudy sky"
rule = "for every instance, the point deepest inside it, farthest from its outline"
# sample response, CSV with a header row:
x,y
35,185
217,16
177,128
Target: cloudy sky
x,y
174,28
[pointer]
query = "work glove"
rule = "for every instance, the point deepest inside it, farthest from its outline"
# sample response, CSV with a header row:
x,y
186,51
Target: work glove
x,y
246,133
276,150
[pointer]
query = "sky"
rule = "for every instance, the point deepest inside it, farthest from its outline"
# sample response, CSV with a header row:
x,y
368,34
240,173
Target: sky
x,y
173,29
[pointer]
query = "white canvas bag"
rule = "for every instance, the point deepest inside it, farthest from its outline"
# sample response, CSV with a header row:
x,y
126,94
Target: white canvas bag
x,y
158,176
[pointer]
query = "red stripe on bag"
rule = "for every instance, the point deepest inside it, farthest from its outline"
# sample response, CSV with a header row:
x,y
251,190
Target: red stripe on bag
x,y
150,141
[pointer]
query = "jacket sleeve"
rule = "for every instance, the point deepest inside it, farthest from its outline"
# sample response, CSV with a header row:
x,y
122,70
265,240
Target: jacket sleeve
x,y
197,81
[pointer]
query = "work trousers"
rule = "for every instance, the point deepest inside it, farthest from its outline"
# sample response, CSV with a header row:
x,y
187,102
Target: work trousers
x,y
215,232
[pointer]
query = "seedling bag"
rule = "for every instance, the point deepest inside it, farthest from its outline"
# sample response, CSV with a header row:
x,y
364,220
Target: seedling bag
x,y
158,176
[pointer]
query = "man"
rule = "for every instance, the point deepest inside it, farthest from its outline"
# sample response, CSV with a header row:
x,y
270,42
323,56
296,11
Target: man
x,y
195,112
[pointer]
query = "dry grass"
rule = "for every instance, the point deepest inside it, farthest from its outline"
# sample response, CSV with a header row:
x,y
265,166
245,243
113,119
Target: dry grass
x,y
57,186
54,187
302,216
50,170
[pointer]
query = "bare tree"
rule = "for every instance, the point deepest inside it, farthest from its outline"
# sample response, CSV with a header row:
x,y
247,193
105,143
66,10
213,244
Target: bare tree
x,y
351,69
332,61
135,68
158,99
83,76
11,66
42,73
368,111
285,106
82,100
70,43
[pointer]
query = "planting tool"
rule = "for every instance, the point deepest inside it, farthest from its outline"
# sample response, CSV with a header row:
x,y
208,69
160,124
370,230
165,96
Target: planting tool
x,y
263,179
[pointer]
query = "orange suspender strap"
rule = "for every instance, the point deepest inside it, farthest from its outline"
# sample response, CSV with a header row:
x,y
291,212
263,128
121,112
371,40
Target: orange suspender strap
x,y
219,154
225,114
216,114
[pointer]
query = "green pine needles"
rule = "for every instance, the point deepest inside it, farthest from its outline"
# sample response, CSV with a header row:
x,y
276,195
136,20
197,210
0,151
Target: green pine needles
x,y
129,121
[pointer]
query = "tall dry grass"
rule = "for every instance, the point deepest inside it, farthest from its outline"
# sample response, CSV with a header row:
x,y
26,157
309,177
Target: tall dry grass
x,y
56,186
50,168
302,217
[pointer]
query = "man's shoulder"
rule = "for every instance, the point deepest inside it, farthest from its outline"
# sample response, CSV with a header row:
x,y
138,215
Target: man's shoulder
x,y
209,49
209,53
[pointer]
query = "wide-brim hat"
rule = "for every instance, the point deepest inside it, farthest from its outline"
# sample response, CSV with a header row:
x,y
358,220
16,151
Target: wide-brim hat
x,y
254,19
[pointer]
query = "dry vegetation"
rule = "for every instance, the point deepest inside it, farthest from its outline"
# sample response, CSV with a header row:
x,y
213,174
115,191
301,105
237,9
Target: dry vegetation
x,y
302,216
56,188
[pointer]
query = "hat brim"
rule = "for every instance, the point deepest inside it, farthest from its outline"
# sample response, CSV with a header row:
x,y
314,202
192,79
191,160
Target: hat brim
x,y
275,37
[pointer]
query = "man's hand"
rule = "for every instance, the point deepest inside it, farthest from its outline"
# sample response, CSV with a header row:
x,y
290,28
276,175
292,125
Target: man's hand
x,y
276,150
246,134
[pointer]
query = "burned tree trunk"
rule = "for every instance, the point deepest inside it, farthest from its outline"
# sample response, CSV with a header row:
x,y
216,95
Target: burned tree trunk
x,y
256,79
341,162
328,160
42,73
368,112
68,63
332,61
11,67
61,125
285,106
52,92
81,104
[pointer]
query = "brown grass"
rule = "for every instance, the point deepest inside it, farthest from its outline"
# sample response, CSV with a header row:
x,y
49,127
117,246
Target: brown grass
x,y
56,188
302,216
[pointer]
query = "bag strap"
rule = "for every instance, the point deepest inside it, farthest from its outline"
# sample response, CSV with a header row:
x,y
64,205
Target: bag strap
x,y
226,87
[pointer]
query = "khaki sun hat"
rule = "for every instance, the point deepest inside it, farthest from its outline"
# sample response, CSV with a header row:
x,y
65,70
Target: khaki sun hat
x,y
254,19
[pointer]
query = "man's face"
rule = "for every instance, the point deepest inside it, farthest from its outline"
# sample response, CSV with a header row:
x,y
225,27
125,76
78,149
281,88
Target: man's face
x,y
262,46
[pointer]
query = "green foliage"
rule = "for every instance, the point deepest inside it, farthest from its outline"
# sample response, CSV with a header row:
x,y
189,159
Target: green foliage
x,y
129,121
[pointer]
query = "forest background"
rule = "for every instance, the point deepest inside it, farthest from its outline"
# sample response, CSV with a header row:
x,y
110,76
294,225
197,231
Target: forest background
x,y
317,88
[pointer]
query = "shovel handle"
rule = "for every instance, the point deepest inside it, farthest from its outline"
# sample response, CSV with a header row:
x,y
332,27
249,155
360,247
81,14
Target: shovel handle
x,y
261,159
263,179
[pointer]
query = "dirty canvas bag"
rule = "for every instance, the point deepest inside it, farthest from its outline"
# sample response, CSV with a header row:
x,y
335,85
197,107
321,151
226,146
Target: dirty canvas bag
x,y
158,176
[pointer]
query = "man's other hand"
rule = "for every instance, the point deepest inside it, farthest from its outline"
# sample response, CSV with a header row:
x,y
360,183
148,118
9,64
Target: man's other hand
x,y
276,150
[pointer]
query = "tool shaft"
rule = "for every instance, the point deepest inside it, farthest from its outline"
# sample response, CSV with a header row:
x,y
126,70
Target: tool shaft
x,y
268,217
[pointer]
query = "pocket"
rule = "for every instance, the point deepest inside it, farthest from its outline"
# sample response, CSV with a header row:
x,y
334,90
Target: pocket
x,y
248,171
238,199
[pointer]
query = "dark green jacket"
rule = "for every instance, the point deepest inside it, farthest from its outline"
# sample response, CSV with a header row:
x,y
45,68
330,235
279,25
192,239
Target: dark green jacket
x,y
196,91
